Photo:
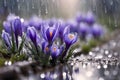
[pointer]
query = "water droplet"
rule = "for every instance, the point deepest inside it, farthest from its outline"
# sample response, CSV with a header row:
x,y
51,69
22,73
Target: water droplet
x,y
106,73
89,73
42,75
55,76
64,75
101,78
115,72
105,66
110,55
98,67
106,52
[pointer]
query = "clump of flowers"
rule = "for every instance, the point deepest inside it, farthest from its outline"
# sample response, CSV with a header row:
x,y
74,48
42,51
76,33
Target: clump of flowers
x,y
47,41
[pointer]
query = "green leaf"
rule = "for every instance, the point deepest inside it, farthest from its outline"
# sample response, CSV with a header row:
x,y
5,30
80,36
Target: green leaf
x,y
22,43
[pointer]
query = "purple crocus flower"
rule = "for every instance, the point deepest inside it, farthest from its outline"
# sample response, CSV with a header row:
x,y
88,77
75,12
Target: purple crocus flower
x,y
70,39
36,22
17,27
73,25
11,17
96,31
50,33
80,18
64,29
6,38
32,34
90,18
83,30
51,22
7,26
55,51
45,47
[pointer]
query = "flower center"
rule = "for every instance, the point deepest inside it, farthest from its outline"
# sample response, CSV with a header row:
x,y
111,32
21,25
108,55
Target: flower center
x,y
54,48
51,34
46,48
70,36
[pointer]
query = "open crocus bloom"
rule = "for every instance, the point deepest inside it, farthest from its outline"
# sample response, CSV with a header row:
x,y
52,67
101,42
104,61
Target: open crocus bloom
x,y
70,39
55,51
49,33
45,47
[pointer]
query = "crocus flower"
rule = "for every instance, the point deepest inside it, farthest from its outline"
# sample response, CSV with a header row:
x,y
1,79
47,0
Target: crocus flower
x,y
80,18
96,30
17,27
55,51
90,18
64,29
11,17
73,25
70,39
6,38
7,26
49,33
32,34
83,30
36,22
51,22
45,47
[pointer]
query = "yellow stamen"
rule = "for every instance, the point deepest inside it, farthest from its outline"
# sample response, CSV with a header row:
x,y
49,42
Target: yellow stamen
x,y
70,36
51,34
54,48
46,48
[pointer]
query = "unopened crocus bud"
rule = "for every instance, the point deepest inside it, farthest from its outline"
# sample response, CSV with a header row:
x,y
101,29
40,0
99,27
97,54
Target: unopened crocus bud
x,y
17,27
80,18
6,39
7,26
32,34
83,30
90,18
96,30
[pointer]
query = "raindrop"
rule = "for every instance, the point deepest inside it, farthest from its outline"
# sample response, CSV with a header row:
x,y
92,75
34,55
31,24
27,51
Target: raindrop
x,y
111,3
105,66
115,72
110,55
64,75
89,73
106,73
42,75
84,66
106,52
55,76
98,66
101,78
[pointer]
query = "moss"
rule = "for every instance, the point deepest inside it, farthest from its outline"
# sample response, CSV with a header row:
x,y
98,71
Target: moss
x,y
2,61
